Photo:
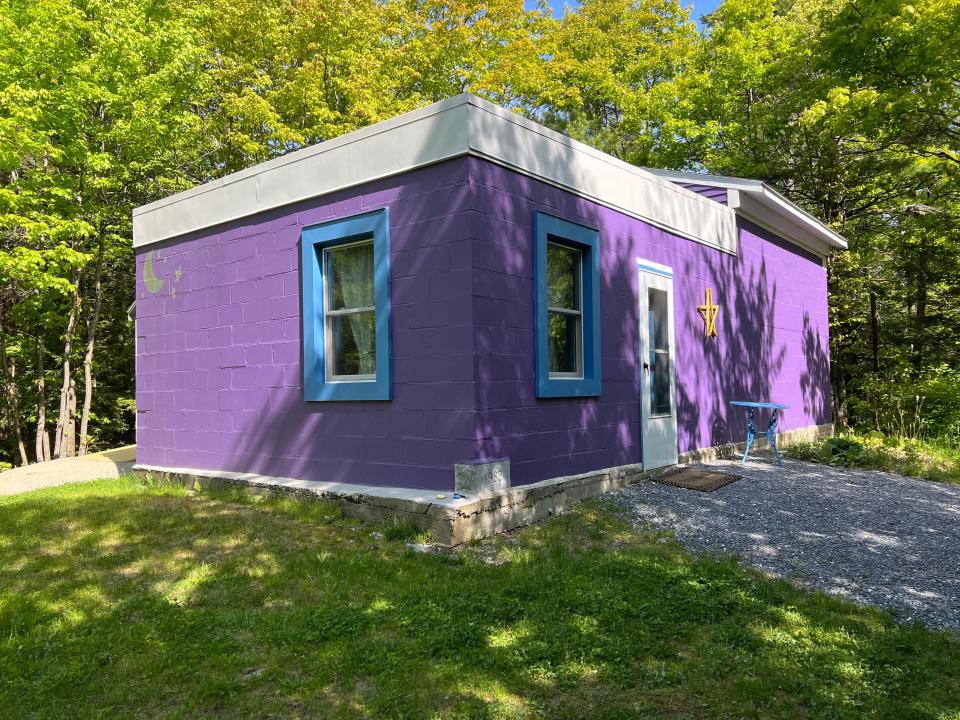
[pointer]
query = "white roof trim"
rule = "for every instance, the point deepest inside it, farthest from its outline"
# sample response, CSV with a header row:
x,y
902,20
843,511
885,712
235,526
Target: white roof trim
x,y
462,125
760,203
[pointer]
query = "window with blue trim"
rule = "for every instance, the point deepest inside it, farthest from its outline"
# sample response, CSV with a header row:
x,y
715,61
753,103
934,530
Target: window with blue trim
x,y
567,282
345,270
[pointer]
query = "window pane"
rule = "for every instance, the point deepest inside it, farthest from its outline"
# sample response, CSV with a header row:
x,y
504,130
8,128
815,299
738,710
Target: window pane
x,y
350,273
563,277
354,340
658,320
659,353
659,383
563,342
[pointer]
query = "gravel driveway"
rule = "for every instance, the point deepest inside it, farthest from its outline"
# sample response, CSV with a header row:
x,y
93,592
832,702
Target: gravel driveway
x,y
873,537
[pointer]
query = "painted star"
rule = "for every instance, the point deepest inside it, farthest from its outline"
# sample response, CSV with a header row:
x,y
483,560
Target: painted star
x,y
708,311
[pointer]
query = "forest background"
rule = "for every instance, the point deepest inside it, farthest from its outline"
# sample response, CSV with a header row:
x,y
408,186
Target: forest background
x,y
850,108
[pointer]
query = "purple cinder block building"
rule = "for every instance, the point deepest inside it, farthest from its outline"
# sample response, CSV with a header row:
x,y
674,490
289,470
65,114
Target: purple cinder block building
x,y
461,288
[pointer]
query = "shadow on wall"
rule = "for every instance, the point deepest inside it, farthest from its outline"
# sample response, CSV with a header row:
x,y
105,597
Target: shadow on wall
x,y
551,437
436,294
410,441
264,425
742,363
749,361
815,379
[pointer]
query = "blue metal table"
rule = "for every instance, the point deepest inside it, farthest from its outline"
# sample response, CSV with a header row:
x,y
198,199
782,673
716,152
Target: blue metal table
x,y
752,407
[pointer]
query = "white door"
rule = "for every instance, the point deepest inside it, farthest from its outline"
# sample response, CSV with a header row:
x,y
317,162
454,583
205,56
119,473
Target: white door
x,y
657,378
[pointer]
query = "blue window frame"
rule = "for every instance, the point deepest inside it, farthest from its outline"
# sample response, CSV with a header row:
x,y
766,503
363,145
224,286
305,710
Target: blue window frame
x,y
567,306
345,273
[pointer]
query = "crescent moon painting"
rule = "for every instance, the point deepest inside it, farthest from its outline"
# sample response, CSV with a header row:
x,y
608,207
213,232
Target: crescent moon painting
x,y
150,279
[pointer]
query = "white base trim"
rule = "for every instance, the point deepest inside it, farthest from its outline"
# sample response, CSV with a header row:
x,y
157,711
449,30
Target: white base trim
x,y
451,522
319,488
809,433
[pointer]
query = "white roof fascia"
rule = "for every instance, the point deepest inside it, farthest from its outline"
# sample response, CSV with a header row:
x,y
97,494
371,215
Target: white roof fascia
x,y
759,202
462,125
754,210
535,150
409,141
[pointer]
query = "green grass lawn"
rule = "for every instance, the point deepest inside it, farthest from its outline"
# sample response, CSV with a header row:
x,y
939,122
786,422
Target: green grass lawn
x,y
120,600
927,459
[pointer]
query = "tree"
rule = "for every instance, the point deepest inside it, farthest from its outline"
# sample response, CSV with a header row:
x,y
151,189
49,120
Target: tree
x,y
620,75
849,109
96,119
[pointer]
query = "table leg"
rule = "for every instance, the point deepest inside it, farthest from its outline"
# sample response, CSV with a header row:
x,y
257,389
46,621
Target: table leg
x,y
751,434
772,436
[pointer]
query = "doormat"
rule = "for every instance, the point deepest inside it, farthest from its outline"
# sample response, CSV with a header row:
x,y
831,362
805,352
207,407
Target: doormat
x,y
693,479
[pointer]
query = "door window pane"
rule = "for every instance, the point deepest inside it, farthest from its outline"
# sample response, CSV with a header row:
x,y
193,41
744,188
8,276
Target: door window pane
x,y
659,340
350,314
564,316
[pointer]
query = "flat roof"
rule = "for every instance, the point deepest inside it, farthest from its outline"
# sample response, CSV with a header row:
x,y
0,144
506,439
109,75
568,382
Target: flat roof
x,y
459,126
467,125
757,201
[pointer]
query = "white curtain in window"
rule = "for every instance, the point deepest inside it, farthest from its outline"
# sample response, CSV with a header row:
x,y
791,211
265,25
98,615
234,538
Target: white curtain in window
x,y
355,271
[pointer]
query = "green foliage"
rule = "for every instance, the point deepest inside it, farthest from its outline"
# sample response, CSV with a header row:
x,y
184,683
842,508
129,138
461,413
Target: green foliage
x,y
924,459
243,610
95,119
900,406
397,530
620,75
848,107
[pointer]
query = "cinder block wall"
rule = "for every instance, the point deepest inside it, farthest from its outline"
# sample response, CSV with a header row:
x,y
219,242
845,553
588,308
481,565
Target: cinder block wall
x,y
218,345
772,325
218,340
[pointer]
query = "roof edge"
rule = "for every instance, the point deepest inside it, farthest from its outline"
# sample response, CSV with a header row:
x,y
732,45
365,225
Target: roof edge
x,y
769,208
455,127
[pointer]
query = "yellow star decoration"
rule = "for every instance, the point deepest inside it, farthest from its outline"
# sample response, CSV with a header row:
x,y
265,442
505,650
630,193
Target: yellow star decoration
x,y
708,311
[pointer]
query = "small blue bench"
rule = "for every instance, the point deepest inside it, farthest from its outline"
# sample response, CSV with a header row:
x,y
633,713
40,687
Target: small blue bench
x,y
752,428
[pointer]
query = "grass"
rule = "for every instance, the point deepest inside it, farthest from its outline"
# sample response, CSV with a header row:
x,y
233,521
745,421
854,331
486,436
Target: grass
x,y
122,600
930,460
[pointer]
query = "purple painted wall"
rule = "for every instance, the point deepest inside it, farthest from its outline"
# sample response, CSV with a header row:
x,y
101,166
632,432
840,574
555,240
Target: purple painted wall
x,y
772,329
709,191
218,350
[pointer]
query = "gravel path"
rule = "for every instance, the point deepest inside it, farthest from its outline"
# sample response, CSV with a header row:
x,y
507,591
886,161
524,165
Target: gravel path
x,y
107,464
873,537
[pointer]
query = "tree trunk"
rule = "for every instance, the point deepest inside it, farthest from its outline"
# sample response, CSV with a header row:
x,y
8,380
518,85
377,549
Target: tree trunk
x,y
920,328
58,447
837,385
43,437
10,386
88,355
875,331
69,446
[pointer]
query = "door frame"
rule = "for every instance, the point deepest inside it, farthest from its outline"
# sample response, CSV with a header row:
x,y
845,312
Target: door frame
x,y
662,276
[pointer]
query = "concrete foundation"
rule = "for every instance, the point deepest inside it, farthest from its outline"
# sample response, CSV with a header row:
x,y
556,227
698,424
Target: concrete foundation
x,y
450,521
453,521
811,433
